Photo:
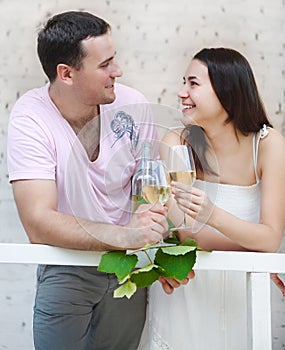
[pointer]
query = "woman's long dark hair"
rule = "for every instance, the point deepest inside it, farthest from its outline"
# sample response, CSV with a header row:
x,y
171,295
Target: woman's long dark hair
x,y
234,84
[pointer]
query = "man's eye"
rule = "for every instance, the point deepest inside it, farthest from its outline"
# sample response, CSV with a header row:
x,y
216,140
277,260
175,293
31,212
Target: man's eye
x,y
105,65
192,83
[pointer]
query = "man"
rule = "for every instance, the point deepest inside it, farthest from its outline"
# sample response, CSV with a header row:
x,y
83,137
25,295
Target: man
x,y
73,147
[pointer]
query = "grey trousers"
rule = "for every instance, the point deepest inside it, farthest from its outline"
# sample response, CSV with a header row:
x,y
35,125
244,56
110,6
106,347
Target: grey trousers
x,y
75,310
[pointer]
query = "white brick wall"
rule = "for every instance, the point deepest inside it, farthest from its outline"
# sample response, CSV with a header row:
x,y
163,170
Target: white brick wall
x,y
154,40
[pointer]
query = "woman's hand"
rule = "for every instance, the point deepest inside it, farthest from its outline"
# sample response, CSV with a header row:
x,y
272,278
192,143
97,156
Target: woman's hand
x,y
169,284
192,201
279,283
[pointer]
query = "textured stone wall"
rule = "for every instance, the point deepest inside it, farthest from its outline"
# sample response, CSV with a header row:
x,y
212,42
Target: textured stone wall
x,y
154,41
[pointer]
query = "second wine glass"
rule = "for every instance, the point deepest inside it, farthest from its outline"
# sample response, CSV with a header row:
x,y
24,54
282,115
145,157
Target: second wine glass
x,y
181,169
156,188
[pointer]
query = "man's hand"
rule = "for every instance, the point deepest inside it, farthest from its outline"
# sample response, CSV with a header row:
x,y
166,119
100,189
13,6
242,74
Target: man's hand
x,y
37,205
169,284
148,225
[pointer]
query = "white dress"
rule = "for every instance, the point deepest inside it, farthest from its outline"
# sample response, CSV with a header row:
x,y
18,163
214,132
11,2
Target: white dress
x,y
210,311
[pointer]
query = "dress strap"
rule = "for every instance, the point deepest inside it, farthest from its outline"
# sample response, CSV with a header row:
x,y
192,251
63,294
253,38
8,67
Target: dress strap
x,y
255,146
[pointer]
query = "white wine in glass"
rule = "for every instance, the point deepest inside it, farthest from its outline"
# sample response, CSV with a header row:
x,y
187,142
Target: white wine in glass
x,y
156,194
186,177
156,188
181,169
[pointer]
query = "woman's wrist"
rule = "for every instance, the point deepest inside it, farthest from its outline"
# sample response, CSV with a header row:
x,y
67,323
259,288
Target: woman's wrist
x,y
214,219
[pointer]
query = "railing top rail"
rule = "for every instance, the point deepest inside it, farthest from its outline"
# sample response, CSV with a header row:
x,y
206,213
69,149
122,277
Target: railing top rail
x,y
217,260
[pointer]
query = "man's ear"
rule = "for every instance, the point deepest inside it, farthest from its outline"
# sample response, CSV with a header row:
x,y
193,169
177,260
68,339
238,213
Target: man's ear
x,y
64,73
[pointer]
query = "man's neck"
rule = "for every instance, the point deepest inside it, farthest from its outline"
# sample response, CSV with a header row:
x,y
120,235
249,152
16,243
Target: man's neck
x,y
73,112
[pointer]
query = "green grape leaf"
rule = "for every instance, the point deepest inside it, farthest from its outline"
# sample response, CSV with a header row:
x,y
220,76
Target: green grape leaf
x,y
125,290
146,268
192,243
175,266
172,240
117,262
189,242
174,261
145,276
124,279
178,250
141,200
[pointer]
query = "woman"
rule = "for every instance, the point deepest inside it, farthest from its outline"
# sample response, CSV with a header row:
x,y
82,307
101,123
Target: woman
x,y
237,202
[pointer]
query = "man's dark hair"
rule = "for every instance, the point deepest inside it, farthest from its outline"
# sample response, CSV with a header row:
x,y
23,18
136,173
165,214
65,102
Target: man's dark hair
x,y
60,41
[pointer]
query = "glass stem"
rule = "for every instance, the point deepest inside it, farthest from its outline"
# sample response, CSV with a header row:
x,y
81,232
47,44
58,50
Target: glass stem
x,y
184,220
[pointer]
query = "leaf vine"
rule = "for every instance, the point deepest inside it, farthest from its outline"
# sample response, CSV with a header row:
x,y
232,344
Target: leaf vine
x,y
173,259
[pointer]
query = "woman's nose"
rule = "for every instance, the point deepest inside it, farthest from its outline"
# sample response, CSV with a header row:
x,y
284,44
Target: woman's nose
x,y
183,92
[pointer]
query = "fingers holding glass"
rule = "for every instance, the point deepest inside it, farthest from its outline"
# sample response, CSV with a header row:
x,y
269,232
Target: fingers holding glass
x,y
193,202
155,188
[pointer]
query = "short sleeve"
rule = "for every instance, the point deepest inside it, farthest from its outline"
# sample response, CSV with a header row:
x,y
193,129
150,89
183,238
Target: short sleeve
x,y
30,150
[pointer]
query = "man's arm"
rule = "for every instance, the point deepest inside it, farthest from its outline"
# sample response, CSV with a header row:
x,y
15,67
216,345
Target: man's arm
x,y
37,206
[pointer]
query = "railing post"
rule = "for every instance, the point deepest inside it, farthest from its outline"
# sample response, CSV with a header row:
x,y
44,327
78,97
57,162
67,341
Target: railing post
x,y
259,311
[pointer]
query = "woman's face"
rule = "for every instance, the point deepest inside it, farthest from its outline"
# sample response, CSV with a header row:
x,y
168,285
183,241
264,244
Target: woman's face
x,y
200,103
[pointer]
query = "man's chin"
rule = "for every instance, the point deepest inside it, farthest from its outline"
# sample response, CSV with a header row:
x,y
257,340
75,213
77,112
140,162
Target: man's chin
x,y
110,99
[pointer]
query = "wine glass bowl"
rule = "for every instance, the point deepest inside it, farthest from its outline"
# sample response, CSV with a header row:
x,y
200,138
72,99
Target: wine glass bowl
x,y
156,188
184,176
181,169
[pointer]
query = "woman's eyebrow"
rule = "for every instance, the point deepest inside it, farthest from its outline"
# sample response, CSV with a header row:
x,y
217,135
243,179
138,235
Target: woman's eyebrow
x,y
191,77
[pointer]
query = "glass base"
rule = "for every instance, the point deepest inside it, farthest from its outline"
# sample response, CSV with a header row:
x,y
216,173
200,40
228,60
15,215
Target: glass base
x,y
180,228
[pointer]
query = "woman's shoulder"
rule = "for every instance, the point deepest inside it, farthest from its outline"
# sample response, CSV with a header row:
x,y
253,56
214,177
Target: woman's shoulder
x,y
172,136
272,146
272,138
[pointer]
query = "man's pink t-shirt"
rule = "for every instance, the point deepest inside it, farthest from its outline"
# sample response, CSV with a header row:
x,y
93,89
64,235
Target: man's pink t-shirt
x,y
42,145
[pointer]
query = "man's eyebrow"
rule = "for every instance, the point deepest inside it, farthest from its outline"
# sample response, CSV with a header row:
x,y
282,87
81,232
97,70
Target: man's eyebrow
x,y
108,59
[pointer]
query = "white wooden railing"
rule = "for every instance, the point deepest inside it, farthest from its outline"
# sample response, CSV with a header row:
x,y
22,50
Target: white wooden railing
x,y
258,267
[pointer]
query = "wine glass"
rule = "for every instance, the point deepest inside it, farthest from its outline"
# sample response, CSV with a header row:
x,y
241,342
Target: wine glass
x,y
155,186
181,169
